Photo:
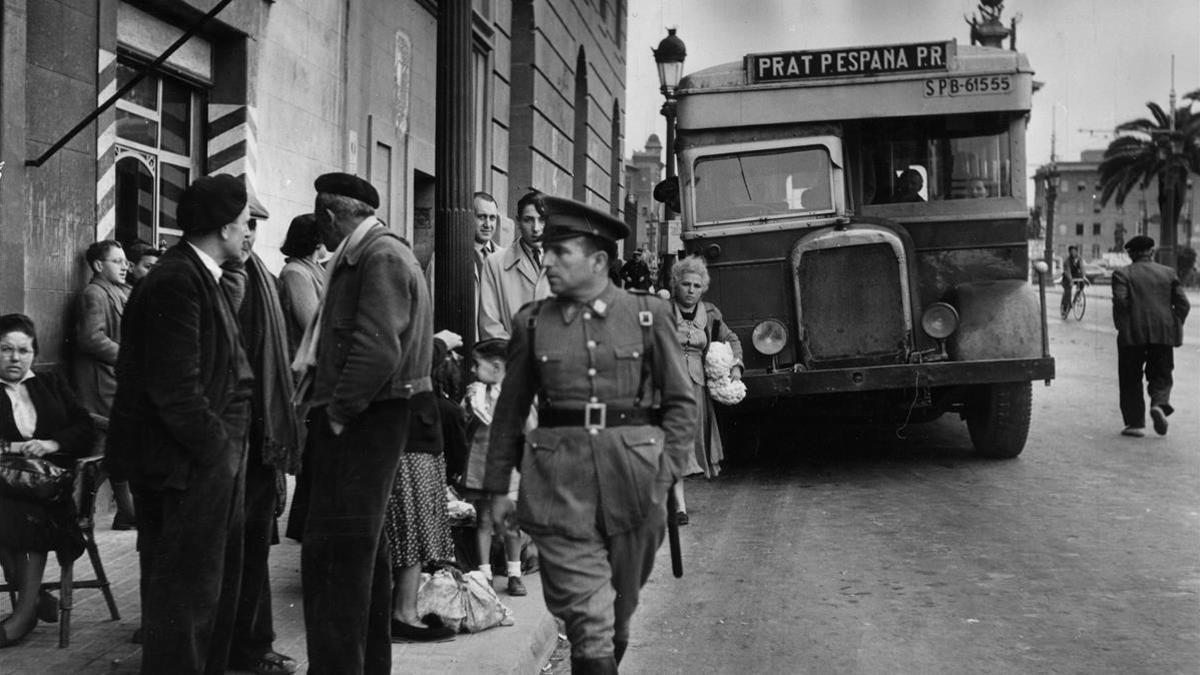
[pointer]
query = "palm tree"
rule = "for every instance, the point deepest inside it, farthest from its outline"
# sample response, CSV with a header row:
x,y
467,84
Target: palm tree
x,y
1154,149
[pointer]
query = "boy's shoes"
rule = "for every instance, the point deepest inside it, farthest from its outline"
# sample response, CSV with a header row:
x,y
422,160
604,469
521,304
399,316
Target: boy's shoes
x,y
403,632
123,524
1159,416
516,587
47,607
270,663
1136,432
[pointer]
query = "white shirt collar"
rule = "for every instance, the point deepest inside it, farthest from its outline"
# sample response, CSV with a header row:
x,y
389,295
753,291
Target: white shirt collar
x,y
213,268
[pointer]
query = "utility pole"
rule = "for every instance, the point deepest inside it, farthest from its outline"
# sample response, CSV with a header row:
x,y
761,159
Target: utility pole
x,y
1051,193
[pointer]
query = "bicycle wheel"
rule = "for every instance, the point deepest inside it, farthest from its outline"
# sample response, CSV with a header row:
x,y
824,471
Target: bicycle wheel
x,y
1080,305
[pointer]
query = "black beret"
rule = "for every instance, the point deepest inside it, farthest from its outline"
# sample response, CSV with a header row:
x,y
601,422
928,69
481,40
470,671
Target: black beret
x,y
210,203
566,218
348,185
1139,243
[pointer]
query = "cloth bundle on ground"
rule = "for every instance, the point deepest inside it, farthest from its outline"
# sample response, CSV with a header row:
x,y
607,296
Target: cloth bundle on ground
x,y
718,362
465,602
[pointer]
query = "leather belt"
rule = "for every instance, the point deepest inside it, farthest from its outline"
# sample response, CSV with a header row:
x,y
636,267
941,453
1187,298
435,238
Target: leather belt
x,y
598,416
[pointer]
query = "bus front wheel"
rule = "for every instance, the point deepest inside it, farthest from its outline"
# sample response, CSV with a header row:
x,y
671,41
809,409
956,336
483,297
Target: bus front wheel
x,y
998,418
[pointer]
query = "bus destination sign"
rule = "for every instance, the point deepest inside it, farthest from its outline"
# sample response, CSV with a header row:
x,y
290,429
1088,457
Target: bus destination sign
x,y
849,62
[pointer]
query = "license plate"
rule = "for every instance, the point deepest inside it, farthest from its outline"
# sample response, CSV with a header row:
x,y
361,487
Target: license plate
x,y
979,85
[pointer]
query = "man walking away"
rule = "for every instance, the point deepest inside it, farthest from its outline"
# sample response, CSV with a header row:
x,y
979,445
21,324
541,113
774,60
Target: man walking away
x,y
368,352
596,470
178,434
1149,308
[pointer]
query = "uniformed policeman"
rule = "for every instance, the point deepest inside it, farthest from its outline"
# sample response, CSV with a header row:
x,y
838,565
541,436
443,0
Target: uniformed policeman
x,y
616,416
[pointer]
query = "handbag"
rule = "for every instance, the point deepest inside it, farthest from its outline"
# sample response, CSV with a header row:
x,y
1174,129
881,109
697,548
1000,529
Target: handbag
x,y
33,479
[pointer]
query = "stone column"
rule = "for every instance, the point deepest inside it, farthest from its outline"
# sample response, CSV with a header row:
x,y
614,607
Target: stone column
x,y
454,285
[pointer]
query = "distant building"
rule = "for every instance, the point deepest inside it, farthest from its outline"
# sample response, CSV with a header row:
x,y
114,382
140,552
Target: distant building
x,y
1080,220
642,173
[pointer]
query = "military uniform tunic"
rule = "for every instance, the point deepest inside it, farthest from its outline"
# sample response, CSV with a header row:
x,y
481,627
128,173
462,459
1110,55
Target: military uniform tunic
x,y
593,499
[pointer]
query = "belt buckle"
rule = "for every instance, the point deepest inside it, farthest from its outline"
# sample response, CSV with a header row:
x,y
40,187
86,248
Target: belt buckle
x,y
595,416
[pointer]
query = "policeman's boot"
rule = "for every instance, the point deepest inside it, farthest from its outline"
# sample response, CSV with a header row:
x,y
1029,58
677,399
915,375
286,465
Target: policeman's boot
x,y
605,665
619,647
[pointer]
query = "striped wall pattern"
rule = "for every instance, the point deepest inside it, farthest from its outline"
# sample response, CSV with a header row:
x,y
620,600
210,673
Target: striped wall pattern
x,y
232,141
106,137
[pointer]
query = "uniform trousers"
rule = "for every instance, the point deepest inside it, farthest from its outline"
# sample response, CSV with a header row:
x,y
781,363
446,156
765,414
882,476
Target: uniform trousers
x,y
1156,362
344,560
254,631
593,584
190,549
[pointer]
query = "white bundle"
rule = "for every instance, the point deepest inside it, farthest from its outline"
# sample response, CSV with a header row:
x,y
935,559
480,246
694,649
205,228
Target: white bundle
x,y
718,363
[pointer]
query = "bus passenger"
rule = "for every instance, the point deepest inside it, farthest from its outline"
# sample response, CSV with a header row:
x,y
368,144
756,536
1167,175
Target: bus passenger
x,y
908,187
977,189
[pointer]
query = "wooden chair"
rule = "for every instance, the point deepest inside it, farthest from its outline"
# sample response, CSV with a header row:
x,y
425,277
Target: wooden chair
x,y
89,474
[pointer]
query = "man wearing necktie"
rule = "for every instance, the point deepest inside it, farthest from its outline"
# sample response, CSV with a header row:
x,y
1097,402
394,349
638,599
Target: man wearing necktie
x,y
514,276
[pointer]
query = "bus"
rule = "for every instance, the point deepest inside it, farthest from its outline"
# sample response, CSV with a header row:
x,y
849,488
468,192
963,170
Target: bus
x,y
863,215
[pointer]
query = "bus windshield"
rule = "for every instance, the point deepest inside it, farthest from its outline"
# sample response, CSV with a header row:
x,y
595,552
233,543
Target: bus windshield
x,y
779,182
936,158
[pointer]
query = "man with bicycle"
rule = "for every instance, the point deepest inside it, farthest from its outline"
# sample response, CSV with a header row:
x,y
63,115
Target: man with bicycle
x,y
1072,275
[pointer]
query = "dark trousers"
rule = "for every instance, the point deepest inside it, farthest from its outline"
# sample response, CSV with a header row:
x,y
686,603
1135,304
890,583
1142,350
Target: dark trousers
x,y
254,630
593,584
1156,362
344,560
190,550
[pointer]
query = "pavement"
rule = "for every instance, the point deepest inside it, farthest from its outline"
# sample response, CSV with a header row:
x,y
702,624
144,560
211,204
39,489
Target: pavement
x,y
101,645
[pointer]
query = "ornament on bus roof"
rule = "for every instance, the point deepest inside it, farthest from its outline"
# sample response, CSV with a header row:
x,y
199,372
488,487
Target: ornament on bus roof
x,y
987,29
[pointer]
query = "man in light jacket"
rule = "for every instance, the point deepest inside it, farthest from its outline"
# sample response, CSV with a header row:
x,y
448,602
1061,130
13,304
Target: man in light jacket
x,y
513,277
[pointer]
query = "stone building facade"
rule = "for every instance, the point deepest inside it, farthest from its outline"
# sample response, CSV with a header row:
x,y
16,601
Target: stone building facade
x,y
1080,220
280,91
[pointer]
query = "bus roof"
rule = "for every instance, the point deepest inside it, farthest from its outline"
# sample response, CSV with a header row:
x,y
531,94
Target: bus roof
x,y
970,79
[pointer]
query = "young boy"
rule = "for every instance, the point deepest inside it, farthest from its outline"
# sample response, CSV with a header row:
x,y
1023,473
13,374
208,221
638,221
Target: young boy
x,y
487,365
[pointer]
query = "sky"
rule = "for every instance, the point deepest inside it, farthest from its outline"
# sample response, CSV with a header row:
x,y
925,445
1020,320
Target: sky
x,y
1100,61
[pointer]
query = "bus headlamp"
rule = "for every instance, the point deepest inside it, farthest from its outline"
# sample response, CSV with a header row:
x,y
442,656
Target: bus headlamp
x,y
769,337
939,321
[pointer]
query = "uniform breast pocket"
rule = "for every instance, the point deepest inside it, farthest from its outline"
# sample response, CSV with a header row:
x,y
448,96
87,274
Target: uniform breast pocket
x,y
551,364
628,363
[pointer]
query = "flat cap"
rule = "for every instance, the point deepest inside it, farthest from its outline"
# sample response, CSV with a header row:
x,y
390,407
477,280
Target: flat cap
x,y
210,203
348,185
1139,243
257,210
566,218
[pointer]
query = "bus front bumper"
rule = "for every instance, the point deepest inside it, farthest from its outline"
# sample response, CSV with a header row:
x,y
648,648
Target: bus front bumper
x,y
901,376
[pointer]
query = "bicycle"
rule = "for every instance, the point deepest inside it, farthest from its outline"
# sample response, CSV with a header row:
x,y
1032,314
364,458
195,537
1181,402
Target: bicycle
x,y
1078,305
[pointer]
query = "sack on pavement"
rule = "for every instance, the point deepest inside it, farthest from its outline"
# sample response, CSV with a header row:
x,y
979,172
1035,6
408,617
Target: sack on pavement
x,y
465,602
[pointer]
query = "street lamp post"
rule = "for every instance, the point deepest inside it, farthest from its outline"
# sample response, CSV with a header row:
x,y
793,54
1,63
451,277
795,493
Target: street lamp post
x,y
669,56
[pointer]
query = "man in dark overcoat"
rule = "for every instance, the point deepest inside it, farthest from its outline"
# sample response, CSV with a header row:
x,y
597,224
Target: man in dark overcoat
x,y
1149,308
368,352
178,434
616,422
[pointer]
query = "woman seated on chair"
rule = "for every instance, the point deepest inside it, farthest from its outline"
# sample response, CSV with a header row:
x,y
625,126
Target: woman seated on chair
x,y
39,417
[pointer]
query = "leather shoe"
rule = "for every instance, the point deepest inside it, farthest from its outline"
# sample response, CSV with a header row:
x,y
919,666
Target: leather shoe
x,y
1136,432
138,636
516,587
404,632
1159,416
122,525
269,663
47,609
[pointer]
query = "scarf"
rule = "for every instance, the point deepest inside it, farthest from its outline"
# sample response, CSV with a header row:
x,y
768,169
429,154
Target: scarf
x,y
265,338
306,354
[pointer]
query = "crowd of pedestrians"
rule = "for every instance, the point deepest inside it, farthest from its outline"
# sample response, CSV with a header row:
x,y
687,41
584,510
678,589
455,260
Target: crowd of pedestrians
x,y
205,380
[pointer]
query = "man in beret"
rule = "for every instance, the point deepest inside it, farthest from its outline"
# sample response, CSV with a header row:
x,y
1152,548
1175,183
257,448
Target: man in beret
x,y
272,447
178,434
366,354
1149,308
596,471
513,277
